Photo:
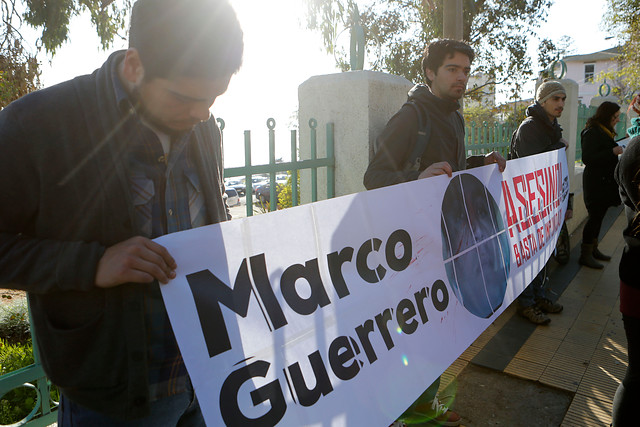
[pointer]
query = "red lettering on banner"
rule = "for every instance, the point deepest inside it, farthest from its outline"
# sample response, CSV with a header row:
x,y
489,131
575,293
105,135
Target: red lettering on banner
x,y
512,218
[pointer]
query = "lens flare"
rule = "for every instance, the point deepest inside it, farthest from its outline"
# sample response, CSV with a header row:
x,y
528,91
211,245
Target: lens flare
x,y
405,360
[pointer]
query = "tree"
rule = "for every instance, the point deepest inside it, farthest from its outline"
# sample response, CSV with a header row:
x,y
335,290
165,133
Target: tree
x,y
548,52
19,68
499,31
623,19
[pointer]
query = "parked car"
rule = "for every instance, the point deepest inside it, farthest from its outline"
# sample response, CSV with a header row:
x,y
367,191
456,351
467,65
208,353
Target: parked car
x,y
263,192
232,197
237,185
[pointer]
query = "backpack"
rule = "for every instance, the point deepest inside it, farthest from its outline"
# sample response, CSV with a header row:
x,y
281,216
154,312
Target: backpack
x,y
512,146
424,134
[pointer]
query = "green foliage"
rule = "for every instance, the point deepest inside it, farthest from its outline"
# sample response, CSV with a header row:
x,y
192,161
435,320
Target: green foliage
x,y
285,196
19,73
498,31
14,322
19,402
53,17
19,69
479,114
548,51
623,19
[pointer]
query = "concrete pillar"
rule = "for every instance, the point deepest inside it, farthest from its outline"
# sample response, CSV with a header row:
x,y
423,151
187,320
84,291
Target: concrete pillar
x,y
569,123
359,104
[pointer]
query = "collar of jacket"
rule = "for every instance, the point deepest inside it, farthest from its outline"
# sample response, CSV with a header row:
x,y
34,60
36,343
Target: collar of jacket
x,y
537,112
423,95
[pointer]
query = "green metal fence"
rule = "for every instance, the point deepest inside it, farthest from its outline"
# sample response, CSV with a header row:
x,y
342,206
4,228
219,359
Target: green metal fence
x,y
483,138
44,410
584,113
293,167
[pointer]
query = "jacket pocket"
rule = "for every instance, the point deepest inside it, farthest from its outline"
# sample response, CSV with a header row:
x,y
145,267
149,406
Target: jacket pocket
x,y
197,209
80,345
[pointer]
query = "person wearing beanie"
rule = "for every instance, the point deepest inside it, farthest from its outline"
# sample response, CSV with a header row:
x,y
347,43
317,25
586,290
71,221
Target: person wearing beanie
x,y
600,157
540,132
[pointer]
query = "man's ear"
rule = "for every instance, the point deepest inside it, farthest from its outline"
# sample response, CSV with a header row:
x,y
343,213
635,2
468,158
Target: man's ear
x,y
431,75
132,69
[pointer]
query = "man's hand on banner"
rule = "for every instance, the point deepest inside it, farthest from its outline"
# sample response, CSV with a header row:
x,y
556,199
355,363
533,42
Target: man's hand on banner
x,y
495,157
137,260
565,142
436,169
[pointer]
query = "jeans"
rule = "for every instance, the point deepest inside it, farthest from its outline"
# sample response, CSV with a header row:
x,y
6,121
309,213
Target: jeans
x,y
628,394
178,410
535,290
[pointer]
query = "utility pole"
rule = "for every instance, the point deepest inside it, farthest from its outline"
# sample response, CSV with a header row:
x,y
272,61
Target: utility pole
x,y
452,24
452,19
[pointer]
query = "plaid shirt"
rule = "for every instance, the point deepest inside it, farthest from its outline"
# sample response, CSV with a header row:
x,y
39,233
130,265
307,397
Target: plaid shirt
x,y
167,198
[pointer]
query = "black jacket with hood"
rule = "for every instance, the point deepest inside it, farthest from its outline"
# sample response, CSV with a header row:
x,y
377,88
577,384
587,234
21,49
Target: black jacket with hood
x,y
399,137
536,134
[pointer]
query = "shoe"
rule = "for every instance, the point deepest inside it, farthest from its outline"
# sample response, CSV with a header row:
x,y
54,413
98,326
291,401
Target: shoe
x,y
599,255
547,306
586,257
438,415
398,424
533,315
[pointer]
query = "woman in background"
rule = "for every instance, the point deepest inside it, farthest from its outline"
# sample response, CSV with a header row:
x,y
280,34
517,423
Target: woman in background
x,y
600,157
628,177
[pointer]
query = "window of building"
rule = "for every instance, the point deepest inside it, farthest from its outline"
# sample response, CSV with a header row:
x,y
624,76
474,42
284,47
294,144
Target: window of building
x,y
589,71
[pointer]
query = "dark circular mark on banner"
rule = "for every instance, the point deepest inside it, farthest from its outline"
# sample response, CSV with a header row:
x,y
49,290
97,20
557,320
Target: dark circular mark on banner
x,y
475,245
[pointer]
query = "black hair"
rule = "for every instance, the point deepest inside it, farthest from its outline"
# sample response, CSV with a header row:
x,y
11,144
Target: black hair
x,y
436,52
603,115
186,38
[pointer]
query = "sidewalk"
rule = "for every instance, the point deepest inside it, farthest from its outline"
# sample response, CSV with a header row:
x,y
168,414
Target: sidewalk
x,y
581,356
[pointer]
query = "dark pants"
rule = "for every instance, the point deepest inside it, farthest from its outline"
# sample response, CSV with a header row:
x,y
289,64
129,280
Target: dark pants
x,y
628,394
178,410
591,229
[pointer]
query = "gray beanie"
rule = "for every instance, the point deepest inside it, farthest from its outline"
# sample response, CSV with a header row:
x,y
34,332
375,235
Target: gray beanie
x,y
548,89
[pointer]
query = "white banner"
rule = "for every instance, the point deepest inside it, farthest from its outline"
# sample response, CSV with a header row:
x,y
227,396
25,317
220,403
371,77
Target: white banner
x,y
342,312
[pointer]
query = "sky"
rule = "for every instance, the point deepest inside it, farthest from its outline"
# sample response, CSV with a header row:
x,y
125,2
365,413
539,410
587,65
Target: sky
x,y
280,54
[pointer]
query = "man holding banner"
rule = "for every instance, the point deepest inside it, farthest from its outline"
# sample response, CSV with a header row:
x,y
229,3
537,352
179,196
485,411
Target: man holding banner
x,y
425,138
540,132
92,170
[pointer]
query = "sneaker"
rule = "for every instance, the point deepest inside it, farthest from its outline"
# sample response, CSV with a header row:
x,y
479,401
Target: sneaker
x,y
547,306
533,315
439,414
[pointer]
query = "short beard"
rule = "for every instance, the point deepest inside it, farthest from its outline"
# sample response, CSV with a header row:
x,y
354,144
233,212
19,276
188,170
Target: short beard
x,y
146,116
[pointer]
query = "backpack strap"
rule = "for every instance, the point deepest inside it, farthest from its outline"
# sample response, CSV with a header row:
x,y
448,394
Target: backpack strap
x,y
424,133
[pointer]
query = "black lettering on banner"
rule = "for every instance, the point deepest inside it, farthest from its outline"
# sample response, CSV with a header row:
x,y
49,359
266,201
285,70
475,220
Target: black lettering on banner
x,y
421,296
399,264
405,312
361,261
271,392
335,261
439,304
306,396
382,320
208,293
261,280
363,332
311,273
338,358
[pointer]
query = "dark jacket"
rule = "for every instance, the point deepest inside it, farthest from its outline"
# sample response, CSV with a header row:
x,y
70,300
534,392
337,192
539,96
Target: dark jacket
x,y
599,185
627,175
65,198
398,138
536,134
